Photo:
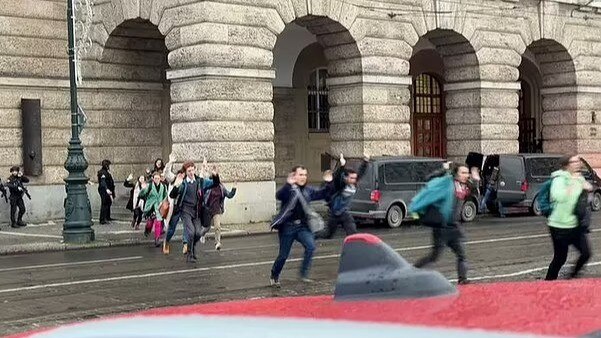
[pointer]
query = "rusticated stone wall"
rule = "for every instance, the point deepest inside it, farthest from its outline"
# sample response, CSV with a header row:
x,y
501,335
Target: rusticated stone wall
x,y
215,97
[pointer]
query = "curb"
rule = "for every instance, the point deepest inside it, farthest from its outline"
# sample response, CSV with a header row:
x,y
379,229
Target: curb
x,y
54,246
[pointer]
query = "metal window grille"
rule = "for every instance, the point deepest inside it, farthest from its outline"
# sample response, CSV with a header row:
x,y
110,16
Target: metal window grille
x,y
318,108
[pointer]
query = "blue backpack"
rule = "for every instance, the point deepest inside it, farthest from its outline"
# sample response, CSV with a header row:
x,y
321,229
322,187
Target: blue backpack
x,y
544,198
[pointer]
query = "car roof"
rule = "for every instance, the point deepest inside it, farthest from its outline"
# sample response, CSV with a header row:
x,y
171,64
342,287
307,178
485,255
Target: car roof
x,y
403,159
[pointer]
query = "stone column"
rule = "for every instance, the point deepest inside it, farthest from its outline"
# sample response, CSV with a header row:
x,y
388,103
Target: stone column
x,y
226,115
370,115
481,117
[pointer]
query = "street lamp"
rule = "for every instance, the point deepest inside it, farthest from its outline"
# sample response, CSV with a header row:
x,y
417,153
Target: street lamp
x,y
78,212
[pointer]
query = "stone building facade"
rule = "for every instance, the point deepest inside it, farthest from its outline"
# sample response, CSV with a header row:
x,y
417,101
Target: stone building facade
x,y
259,85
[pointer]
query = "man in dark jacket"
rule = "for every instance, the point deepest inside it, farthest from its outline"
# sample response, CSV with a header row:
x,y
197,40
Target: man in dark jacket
x,y
17,189
106,189
291,222
341,190
188,192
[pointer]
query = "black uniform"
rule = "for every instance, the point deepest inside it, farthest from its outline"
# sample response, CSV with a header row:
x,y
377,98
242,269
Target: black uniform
x,y
16,188
105,182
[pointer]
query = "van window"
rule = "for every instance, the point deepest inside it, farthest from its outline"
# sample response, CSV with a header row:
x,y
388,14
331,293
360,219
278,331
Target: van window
x,y
543,166
421,170
397,172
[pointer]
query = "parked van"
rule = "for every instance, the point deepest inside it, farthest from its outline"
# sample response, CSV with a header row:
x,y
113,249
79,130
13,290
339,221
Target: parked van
x,y
389,184
522,175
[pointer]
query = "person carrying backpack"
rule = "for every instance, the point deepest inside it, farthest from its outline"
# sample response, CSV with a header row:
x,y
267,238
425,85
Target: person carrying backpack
x,y
439,206
566,189
215,201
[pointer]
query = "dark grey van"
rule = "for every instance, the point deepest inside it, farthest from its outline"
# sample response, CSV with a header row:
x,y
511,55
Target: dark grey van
x,y
389,184
521,176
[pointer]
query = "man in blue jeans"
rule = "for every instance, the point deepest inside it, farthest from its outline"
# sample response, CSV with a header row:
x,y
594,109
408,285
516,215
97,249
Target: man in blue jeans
x,y
291,222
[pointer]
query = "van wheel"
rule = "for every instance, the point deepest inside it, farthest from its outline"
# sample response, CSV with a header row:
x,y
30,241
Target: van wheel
x,y
469,211
596,203
395,216
535,208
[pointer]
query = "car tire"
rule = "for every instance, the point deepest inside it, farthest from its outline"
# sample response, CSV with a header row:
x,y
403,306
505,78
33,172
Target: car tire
x,y
596,203
395,216
469,211
535,208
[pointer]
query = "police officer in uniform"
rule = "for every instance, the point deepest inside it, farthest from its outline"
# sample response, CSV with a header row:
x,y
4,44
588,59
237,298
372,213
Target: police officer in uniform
x,y
16,188
106,189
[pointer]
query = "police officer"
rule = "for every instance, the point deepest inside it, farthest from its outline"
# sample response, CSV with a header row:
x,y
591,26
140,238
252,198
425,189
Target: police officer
x,y
106,189
17,189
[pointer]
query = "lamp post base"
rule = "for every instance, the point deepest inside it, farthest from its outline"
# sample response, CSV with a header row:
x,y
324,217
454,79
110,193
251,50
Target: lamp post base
x,y
78,212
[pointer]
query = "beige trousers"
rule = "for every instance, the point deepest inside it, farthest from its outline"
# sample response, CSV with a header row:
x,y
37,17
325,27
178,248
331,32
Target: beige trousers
x,y
216,225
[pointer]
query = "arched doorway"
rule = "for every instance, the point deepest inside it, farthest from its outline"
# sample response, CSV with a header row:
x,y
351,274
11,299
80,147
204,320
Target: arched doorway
x,y
445,107
131,126
428,119
548,105
308,53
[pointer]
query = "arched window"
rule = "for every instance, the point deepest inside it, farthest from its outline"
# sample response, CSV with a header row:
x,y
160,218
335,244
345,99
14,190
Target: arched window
x,y
429,137
318,108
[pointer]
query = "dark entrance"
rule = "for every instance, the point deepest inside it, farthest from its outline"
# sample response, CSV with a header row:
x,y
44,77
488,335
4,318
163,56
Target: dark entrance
x,y
527,123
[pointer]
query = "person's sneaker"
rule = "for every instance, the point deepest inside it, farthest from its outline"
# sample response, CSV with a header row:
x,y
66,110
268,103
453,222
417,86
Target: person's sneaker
x,y
21,224
307,280
218,246
166,248
185,248
157,243
190,259
14,225
274,282
203,240
463,281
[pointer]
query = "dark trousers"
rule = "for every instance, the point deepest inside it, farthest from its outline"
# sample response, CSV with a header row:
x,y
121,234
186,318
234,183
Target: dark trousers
x,y
287,235
347,221
14,204
192,228
562,239
137,216
173,226
105,207
453,238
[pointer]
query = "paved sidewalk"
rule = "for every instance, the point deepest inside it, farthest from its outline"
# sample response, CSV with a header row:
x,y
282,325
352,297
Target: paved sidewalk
x,y
48,236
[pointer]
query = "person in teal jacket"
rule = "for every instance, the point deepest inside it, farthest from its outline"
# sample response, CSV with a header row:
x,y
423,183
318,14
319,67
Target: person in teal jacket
x,y
154,194
566,188
444,195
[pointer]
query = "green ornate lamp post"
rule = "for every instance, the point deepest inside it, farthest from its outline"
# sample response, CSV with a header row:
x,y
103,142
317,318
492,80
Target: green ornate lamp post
x,y
78,212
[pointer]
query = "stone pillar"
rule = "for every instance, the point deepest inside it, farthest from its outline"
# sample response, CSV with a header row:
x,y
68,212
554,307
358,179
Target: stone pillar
x,y
560,119
226,115
369,115
481,117
571,121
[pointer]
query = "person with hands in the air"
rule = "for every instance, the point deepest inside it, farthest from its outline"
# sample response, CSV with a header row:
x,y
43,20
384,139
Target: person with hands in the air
x,y
291,222
215,205
341,190
188,191
154,193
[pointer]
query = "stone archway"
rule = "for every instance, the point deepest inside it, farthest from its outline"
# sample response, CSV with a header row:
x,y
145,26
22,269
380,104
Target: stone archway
x,y
309,55
559,113
131,126
454,62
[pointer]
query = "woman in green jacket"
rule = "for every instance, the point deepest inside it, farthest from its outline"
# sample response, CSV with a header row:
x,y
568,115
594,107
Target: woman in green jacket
x,y
155,194
566,188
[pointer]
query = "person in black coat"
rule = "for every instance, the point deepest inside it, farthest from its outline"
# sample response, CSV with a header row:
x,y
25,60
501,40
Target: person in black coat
x,y
17,189
106,189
